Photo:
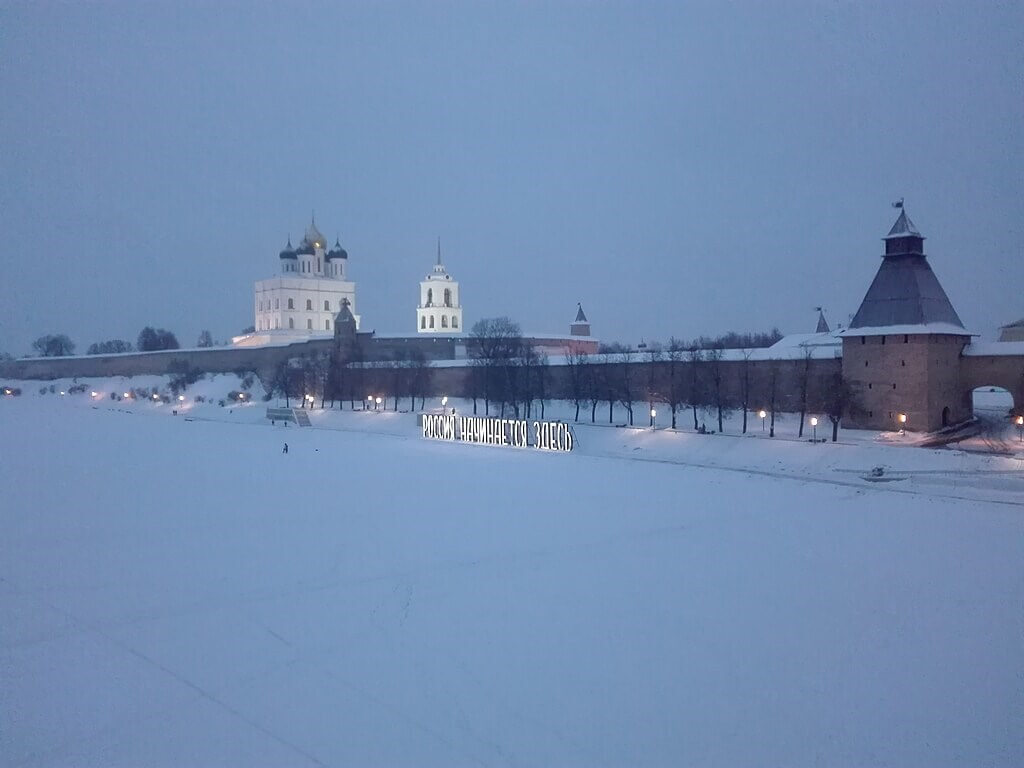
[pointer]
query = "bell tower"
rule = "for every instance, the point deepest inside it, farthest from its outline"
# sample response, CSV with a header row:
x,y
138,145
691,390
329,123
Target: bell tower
x,y
440,308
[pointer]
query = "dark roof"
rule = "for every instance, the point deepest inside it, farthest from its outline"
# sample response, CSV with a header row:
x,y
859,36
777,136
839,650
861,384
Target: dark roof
x,y
288,252
905,291
822,323
580,317
1017,324
903,227
337,252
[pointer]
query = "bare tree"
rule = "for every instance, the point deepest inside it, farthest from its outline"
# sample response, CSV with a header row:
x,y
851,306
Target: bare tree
x,y
836,399
494,342
626,380
716,371
803,382
674,356
694,381
576,363
745,385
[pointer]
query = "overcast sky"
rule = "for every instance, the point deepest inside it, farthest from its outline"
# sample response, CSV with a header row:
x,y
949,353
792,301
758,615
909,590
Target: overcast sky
x,y
680,168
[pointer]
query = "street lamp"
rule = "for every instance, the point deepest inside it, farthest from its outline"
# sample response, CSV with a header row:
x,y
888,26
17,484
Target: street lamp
x,y
1020,428
444,401
654,416
369,399
814,424
903,422
376,403
762,413
181,398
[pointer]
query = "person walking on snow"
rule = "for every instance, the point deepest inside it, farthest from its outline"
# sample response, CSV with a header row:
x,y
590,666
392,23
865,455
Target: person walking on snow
x,y
285,448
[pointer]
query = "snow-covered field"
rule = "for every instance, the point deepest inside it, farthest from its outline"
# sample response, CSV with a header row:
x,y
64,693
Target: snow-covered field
x,y
176,591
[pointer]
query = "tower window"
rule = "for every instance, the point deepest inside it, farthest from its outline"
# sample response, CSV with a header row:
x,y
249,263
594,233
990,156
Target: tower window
x,y
444,321
863,339
903,363
883,339
447,297
291,304
431,321
455,321
906,338
423,322
309,304
869,385
865,363
327,306
318,265
430,297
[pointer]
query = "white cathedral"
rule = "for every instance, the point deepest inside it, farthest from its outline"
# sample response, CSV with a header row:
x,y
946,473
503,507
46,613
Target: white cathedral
x,y
305,298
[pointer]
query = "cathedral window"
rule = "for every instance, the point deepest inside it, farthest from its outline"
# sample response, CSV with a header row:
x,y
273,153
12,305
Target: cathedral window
x,y
430,298
423,322
277,303
327,325
447,297
291,322
291,304
318,265
327,306
309,325
309,304
444,321
455,321
431,321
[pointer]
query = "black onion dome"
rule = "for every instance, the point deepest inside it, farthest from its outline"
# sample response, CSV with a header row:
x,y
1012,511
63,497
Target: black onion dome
x,y
288,252
337,252
305,249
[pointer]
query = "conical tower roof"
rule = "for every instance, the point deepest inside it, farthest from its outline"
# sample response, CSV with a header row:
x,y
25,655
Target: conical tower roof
x,y
822,322
580,316
905,291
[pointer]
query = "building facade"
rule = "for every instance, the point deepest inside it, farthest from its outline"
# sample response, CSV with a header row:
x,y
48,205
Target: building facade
x,y
440,307
303,300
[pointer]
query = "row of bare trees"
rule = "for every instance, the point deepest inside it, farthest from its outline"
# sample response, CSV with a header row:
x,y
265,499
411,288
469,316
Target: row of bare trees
x,y
686,377
506,372
345,376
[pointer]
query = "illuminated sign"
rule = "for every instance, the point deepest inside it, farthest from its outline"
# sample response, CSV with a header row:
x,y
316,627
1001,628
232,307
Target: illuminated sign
x,y
482,430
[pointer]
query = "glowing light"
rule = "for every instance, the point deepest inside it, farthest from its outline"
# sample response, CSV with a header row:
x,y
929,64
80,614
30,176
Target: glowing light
x,y
653,413
444,400
94,393
62,391
814,421
156,396
1020,421
181,398
762,413
377,401
127,394
369,398
903,418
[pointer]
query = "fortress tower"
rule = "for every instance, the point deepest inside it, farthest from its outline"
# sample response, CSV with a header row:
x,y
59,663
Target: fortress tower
x,y
901,353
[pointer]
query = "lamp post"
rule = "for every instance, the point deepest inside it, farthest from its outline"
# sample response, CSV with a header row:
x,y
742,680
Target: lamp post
x,y
762,413
903,423
444,403
376,403
369,399
814,425
654,416
1020,428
